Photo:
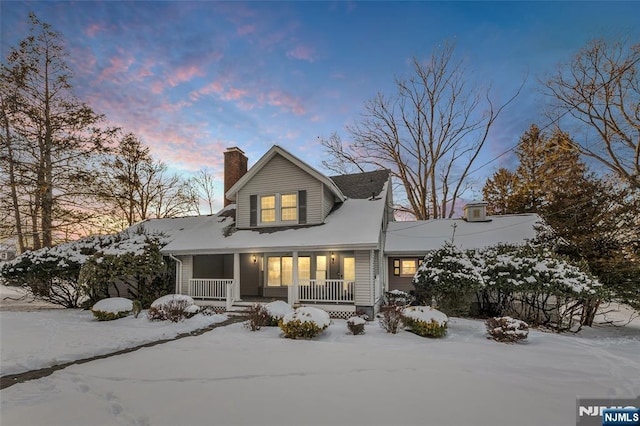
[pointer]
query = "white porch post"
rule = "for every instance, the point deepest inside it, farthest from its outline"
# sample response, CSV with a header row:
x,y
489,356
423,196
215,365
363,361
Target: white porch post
x,y
293,296
236,277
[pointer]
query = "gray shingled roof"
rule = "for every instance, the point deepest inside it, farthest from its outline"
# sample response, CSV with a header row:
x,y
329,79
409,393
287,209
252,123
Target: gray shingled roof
x,y
361,185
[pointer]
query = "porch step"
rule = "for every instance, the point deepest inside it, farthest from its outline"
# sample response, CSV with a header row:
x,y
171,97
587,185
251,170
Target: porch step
x,y
238,310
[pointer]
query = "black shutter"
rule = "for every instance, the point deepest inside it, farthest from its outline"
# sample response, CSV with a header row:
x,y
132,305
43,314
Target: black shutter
x,y
302,207
253,210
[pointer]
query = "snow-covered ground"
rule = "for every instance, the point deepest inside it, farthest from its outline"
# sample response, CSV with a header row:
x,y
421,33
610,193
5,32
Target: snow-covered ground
x,y
233,376
40,338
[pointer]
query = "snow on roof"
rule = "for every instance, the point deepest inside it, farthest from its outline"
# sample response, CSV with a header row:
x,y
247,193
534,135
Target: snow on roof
x,y
354,223
418,237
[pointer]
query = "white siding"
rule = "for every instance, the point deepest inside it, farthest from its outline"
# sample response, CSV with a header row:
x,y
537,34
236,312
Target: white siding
x,y
187,273
280,176
363,291
327,201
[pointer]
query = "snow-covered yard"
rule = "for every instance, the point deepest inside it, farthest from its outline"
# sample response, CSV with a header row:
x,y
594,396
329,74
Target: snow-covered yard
x,y
233,376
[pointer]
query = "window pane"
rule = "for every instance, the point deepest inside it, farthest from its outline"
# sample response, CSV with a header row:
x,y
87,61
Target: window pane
x,y
268,208
273,273
304,269
289,200
287,270
289,206
290,213
268,202
268,215
408,267
321,263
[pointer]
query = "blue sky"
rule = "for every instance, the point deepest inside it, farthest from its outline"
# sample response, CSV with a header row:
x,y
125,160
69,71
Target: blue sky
x,y
193,78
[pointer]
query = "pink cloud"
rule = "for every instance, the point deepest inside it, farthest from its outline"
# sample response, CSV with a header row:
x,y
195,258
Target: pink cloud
x,y
92,29
119,65
286,101
303,53
184,74
234,94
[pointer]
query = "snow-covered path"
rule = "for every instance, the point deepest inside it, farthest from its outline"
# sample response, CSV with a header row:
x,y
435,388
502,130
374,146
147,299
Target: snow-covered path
x,y
232,376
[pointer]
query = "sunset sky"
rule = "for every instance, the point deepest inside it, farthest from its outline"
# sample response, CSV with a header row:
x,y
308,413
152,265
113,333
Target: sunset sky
x,y
193,78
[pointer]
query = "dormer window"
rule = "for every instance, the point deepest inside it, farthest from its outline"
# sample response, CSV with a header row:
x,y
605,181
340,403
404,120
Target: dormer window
x,y
279,208
268,208
289,207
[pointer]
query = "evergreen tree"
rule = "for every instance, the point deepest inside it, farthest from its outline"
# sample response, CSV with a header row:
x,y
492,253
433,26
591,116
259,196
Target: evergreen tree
x,y
49,139
499,190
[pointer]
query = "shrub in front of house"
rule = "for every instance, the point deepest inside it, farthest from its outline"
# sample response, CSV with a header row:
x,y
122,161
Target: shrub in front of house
x,y
390,318
448,278
304,323
356,325
172,307
112,308
507,329
399,298
257,317
425,321
276,311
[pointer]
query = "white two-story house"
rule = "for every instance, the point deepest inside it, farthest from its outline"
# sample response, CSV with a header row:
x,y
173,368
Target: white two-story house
x,y
287,232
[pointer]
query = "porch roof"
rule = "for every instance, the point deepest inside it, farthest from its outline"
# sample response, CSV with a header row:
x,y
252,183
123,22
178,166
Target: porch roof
x,y
355,223
418,237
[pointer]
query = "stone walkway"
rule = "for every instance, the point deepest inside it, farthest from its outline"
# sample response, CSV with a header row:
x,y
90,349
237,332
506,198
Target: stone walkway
x,y
12,379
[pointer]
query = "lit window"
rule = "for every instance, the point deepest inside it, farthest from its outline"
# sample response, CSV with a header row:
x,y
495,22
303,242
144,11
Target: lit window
x,y
268,208
408,268
273,272
476,213
289,207
280,272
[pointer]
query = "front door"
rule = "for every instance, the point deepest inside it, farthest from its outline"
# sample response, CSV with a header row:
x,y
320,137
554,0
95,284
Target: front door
x,y
348,270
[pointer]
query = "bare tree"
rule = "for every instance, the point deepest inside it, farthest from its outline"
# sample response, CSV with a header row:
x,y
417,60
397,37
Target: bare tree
x,y
201,185
134,187
428,134
600,88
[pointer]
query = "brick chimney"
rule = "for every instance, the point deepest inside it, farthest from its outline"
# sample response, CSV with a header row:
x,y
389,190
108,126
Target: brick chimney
x,y
235,166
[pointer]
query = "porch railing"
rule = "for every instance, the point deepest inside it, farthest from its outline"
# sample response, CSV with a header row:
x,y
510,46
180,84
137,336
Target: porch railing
x,y
209,288
334,291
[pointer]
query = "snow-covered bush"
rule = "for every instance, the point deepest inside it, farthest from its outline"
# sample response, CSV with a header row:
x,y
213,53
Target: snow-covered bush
x,y
507,329
112,308
399,298
448,279
131,266
276,311
356,325
257,317
53,273
172,307
539,287
390,318
425,321
305,322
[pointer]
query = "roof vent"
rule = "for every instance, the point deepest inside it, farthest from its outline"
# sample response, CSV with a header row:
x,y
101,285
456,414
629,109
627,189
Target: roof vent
x,y
476,211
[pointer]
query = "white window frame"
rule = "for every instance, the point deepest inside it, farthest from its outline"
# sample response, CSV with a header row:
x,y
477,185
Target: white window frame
x,y
278,209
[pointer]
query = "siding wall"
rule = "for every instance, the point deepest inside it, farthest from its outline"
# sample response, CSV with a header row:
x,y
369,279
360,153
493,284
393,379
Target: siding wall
x,y
363,291
327,201
280,176
397,282
187,273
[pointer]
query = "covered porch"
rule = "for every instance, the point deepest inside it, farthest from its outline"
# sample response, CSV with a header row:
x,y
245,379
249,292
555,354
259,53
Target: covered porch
x,y
322,277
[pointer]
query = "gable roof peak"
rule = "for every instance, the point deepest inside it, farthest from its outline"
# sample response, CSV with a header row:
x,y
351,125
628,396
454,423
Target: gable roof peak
x,y
278,150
